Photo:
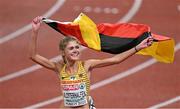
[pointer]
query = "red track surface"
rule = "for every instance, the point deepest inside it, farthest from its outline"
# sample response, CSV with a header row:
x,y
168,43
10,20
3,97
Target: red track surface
x,y
153,85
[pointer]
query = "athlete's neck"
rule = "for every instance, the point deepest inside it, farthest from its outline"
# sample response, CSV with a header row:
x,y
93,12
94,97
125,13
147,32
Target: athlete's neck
x,y
71,66
70,63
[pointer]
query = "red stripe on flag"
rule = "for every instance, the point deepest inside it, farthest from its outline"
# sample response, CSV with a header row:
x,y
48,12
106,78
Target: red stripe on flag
x,y
71,30
123,30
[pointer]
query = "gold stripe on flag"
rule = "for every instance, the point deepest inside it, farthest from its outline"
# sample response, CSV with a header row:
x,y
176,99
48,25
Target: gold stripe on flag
x,y
163,51
89,31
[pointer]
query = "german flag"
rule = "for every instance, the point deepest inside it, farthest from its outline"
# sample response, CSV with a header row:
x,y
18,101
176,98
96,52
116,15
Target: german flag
x,y
115,38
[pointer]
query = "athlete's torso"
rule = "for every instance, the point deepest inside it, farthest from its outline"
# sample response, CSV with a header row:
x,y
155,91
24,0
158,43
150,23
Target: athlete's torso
x,y
75,88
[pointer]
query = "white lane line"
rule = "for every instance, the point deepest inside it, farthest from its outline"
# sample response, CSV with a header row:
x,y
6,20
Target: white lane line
x,y
26,28
137,3
44,103
114,78
165,103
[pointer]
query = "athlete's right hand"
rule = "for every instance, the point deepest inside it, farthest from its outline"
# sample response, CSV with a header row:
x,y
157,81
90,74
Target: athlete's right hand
x,y
36,23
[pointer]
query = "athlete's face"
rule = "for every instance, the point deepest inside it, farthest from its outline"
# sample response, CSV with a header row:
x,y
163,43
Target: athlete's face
x,y
72,51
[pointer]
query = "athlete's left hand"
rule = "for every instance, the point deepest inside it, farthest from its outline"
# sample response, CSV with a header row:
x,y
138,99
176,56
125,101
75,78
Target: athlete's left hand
x,y
145,43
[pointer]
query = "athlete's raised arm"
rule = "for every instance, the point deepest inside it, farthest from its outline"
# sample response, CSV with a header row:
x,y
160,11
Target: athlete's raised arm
x,y
36,23
95,63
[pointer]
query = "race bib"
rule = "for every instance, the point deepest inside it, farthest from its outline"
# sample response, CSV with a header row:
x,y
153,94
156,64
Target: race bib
x,y
74,93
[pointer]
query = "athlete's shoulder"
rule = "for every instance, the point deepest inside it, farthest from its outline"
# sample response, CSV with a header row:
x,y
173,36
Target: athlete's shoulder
x,y
87,64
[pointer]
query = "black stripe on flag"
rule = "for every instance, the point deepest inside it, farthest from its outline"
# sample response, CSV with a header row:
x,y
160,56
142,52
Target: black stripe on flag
x,y
115,45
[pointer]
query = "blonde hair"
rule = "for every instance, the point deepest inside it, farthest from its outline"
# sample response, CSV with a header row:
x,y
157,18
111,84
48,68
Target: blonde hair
x,y
63,43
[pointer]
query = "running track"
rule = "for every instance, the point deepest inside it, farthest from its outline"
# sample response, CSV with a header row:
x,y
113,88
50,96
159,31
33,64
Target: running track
x,y
139,82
